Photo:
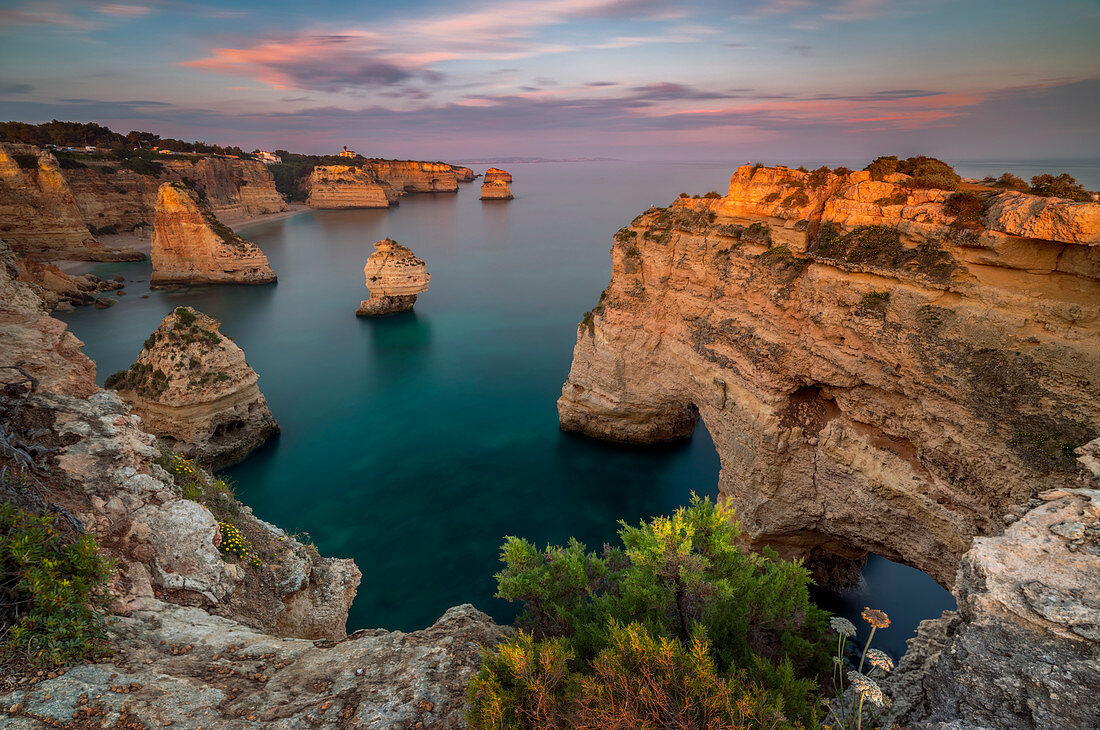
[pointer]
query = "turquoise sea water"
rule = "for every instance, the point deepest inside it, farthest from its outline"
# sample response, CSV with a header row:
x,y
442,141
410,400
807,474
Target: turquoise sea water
x,y
414,443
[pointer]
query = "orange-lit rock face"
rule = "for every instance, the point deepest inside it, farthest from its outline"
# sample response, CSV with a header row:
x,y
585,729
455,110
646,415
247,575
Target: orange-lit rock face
x,y
494,173
411,176
394,276
496,190
875,375
190,245
464,174
192,386
346,186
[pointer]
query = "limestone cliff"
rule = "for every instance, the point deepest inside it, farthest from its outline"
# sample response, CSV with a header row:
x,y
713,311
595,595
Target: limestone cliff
x,y
877,373
494,174
411,176
464,174
192,387
54,213
60,291
191,246
344,186
496,190
202,638
39,215
395,276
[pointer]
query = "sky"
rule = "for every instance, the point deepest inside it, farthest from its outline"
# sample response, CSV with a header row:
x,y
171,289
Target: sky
x,y
780,80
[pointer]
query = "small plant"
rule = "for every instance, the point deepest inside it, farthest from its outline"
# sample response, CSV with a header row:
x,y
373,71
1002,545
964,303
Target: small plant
x,y
184,317
863,684
712,195
818,177
757,233
55,586
1007,181
235,544
926,172
772,197
874,302
797,199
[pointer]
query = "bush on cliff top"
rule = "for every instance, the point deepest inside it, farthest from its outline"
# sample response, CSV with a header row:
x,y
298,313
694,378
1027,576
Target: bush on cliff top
x,y
927,172
53,596
679,604
1062,186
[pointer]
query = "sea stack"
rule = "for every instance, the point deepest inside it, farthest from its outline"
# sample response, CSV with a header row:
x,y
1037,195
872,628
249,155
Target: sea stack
x,y
496,190
495,173
394,277
192,387
191,246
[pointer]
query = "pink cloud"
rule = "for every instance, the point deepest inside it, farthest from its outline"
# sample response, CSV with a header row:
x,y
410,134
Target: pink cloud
x,y
121,10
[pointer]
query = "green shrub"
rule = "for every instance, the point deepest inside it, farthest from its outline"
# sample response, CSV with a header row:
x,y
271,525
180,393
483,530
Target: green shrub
x,y
967,209
818,177
772,197
143,166
712,195
54,588
1007,181
757,233
874,302
797,199
184,317
927,172
842,171
1063,186
679,579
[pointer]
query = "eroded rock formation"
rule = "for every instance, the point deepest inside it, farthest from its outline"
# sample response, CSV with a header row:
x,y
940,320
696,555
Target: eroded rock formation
x,y
192,387
877,375
1023,649
496,190
348,186
394,277
60,291
39,215
411,176
191,246
493,174
199,640
464,174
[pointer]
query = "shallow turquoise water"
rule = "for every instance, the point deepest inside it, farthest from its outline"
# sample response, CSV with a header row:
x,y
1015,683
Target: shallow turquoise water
x,y
414,443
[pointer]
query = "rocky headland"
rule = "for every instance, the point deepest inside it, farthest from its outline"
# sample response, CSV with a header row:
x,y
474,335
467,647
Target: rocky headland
x,y
394,278
50,211
496,190
877,374
203,636
348,186
191,246
463,174
412,176
40,217
192,388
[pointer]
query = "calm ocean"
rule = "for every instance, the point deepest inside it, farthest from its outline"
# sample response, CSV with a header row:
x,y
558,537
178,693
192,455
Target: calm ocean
x,y
415,443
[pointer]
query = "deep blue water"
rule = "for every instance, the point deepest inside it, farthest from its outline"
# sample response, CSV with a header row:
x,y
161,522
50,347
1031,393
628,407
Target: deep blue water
x,y
414,443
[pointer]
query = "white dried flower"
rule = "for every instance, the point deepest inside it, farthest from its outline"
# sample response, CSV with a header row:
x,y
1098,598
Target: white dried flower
x,y
866,687
842,626
880,660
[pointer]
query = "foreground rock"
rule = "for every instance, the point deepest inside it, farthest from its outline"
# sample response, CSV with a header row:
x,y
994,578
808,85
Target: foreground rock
x,y
39,215
1023,649
191,246
201,640
496,190
230,676
495,174
877,376
395,276
60,291
192,387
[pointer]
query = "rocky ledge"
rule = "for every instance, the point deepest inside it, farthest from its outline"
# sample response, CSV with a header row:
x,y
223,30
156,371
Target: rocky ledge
x,y
192,387
191,246
395,276
879,372
1023,649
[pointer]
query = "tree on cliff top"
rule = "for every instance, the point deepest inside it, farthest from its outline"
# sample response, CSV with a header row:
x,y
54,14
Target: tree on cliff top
x,y
927,172
679,600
